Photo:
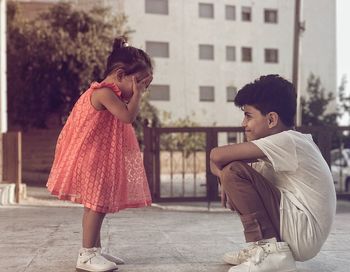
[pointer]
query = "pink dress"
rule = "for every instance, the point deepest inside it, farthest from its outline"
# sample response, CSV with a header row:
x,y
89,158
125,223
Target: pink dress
x,y
98,161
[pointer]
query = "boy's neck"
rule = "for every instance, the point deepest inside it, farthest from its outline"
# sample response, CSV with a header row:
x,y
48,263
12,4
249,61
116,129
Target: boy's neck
x,y
280,128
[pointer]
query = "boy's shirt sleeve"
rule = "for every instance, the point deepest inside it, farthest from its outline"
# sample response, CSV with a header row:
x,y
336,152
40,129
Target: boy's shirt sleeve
x,y
280,149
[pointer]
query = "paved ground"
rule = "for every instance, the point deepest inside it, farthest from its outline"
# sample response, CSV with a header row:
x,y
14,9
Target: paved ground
x,y
44,235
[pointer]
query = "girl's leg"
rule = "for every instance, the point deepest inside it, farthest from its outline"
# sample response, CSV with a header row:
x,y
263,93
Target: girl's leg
x,y
92,222
256,200
98,240
90,258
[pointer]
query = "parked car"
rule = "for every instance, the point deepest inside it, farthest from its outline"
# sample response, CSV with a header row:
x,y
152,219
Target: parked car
x,y
340,167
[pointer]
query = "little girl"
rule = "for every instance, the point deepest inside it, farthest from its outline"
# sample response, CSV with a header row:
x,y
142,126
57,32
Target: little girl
x,y
98,161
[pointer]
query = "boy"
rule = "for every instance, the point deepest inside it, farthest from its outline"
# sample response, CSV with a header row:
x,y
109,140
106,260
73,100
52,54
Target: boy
x,y
286,199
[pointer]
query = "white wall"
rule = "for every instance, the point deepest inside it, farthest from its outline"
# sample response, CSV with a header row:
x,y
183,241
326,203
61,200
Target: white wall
x,y
3,80
184,30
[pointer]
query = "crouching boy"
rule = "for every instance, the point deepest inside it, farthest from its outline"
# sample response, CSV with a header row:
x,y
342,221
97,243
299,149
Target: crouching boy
x,y
277,181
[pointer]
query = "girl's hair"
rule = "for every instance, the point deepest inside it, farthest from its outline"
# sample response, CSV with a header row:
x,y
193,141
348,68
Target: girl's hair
x,y
128,58
270,93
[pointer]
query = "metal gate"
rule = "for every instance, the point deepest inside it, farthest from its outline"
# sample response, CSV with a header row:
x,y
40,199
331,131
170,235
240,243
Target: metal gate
x,y
177,161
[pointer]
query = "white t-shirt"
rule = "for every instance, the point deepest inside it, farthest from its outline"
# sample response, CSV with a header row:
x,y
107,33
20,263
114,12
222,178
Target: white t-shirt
x,y
308,201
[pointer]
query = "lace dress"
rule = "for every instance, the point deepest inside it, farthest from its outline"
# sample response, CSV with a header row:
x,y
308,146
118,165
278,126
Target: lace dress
x,y
98,162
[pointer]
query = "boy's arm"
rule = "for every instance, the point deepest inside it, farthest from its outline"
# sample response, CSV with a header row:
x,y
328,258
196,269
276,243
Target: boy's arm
x,y
223,155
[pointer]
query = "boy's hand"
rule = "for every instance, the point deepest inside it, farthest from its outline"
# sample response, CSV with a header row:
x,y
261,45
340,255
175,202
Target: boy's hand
x,y
223,194
223,198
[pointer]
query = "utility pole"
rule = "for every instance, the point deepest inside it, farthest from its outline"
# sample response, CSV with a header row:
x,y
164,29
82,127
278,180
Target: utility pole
x,y
296,57
3,68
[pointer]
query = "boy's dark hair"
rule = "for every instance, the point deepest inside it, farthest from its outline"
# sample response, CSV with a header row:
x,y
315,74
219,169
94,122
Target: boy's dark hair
x,y
128,58
270,93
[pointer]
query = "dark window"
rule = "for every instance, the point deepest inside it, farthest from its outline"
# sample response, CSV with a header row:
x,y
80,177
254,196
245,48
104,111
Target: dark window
x,y
159,92
230,12
158,49
206,93
247,55
246,14
231,93
157,6
271,55
230,53
206,52
271,16
206,10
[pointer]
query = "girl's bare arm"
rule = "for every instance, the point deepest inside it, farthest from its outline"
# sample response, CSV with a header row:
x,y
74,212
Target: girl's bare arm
x,y
125,112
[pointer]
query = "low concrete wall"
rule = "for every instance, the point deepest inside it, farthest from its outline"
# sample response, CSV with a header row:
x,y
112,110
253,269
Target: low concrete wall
x,y
38,149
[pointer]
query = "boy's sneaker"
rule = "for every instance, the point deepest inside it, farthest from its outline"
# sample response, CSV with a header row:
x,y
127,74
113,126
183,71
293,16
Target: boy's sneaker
x,y
110,257
90,260
238,257
268,257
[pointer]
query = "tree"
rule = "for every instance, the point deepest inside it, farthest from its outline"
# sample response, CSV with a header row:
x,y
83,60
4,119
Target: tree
x,y
344,99
54,57
314,108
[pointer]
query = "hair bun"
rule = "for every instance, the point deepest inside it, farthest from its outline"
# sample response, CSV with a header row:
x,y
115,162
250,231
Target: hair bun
x,y
119,42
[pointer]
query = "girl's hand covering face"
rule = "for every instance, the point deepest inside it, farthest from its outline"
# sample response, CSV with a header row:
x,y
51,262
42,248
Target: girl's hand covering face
x,y
142,85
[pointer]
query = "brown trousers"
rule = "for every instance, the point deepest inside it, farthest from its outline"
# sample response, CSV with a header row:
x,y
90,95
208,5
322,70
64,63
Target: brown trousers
x,y
256,200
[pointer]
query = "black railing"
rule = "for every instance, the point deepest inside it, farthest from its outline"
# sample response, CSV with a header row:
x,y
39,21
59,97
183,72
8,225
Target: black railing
x,y
177,159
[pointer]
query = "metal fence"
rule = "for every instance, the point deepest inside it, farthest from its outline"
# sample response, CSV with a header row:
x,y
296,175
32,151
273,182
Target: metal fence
x,y
177,159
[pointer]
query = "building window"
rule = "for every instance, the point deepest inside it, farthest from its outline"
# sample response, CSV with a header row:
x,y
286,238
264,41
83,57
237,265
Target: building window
x,y
158,49
231,94
159,92
271,55
247,55
230,53
206,52
246,14
271,16
206,93
230,12
157,6
206,10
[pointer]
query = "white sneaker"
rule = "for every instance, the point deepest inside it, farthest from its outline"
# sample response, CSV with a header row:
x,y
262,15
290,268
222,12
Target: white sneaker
x,y
110,257
269,257
238,257
90,260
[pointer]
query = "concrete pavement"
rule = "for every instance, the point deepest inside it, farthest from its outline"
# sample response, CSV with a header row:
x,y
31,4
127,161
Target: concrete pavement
x,y
43,234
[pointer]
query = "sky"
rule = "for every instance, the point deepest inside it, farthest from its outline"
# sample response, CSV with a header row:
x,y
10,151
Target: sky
x,y
343,41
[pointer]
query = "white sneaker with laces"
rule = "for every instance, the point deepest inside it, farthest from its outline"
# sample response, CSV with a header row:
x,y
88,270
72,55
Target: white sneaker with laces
x,y
238,257
90,260
268,257
110,257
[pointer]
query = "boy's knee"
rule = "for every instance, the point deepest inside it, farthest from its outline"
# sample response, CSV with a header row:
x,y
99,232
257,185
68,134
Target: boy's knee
x,y
230,171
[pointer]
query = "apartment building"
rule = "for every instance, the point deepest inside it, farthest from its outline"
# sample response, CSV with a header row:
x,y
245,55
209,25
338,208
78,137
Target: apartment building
x,y
205,50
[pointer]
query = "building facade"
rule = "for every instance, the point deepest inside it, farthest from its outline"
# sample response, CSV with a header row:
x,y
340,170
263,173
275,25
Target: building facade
x,y
205,50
